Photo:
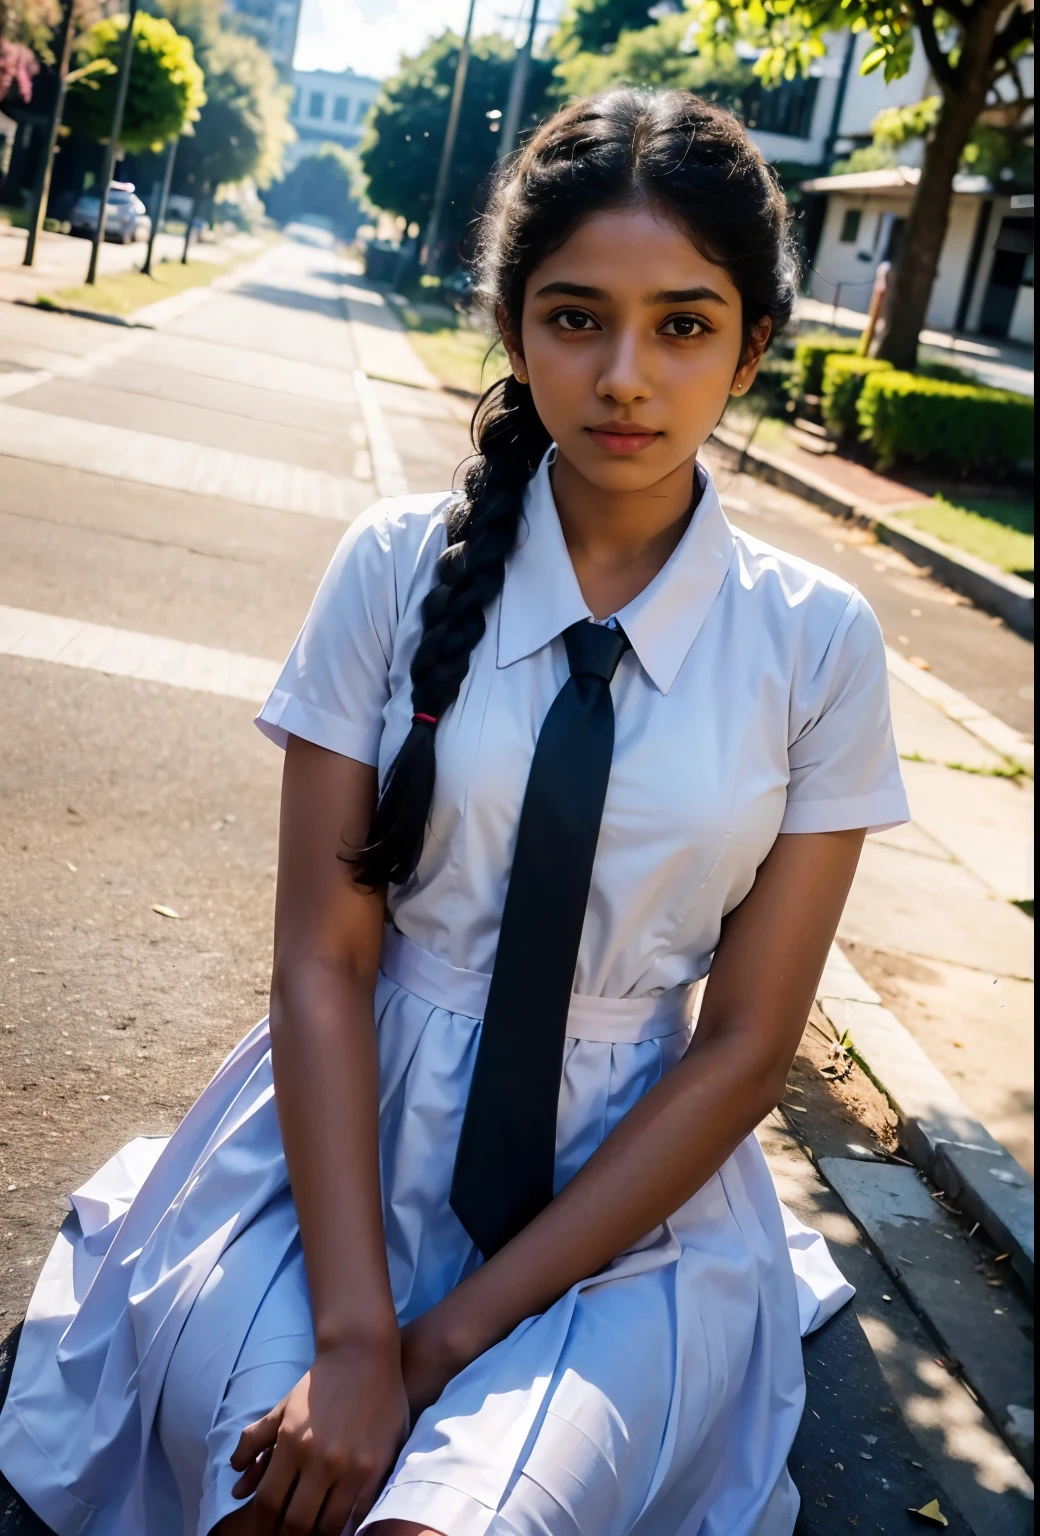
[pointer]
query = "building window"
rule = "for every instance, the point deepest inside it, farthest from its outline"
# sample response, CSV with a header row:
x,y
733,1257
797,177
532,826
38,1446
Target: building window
x,y
340,107
316,105
850,226
787,109
362,108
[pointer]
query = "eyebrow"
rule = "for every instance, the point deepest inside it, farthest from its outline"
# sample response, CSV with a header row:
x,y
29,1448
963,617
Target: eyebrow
x,y
668,296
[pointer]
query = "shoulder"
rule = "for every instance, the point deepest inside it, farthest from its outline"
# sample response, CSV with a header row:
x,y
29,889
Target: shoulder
x,y
394,544
805,599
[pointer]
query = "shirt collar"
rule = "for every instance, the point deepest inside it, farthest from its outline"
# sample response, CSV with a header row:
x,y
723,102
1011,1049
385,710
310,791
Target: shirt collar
x,y
541,596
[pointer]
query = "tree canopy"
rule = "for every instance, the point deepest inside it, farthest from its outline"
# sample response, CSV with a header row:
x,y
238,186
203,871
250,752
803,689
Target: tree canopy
x,y
401,150
660,57
319,184
244,127
594,26
165,91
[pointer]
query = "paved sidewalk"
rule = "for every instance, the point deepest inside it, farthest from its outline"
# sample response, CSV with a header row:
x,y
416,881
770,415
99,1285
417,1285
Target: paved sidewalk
x,y
61,261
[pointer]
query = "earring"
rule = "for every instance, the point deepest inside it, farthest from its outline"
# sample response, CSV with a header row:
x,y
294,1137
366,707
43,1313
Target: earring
x,y
521,378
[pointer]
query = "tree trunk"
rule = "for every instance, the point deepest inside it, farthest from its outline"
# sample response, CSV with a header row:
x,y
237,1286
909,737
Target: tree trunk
x,y
963,101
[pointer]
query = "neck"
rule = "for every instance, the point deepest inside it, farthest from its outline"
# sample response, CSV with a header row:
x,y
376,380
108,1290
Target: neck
x,y
619,540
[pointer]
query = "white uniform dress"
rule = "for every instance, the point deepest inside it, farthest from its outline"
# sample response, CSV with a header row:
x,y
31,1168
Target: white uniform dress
x,y
657,1398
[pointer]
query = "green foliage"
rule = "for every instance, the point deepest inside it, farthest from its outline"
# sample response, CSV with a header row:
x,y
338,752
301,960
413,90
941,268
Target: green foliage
x,y
320,184
594,26
896,126
657,57
930,421
401,150
843,378
810,355
871,157
244,127
165,92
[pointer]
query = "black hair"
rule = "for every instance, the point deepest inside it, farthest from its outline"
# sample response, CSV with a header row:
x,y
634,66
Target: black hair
x,y
671,150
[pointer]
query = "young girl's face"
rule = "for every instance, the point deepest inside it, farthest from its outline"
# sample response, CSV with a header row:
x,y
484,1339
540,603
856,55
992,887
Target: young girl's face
x,y
631,341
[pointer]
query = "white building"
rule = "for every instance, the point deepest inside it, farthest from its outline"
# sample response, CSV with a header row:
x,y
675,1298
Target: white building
x,y
329,107
274,24
984,282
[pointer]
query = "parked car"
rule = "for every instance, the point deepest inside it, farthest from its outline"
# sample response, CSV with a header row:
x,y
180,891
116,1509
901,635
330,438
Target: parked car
x,y
126,220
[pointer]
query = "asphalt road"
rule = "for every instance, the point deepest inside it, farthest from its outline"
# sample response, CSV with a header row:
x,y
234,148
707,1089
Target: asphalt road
x,y
122,794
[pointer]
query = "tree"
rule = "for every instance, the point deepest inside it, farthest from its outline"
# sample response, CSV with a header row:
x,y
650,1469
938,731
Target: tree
x,y
974,49
244,127
594,26
401,150
660,57
25,31
320,184
165,90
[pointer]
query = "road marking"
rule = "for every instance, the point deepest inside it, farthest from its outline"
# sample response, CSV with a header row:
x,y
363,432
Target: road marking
x,y
150,459
387,469
129,653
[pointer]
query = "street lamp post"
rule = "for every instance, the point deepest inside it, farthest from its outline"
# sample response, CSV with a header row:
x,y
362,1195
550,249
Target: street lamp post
x,y
518,88
159,213
126,57
41,190
433,231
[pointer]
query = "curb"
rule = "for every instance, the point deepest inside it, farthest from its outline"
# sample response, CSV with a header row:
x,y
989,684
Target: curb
x,y
991,589
939,1131
956,706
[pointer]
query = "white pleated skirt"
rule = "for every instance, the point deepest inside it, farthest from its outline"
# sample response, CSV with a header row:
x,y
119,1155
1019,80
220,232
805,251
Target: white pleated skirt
x,y
657,1398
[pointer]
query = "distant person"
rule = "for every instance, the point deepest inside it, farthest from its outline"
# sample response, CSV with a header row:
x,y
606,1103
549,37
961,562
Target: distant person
x,y
473,1237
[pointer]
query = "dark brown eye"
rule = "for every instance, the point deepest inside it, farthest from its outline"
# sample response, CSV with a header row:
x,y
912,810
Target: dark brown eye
x,y
683,325
574,320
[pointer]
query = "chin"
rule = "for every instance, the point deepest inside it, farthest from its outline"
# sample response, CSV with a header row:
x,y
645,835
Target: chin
x,y
634,472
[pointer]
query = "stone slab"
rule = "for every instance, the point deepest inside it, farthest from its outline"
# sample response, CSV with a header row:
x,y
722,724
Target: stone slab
x,y
984,821
996,1192
987,1331
923,730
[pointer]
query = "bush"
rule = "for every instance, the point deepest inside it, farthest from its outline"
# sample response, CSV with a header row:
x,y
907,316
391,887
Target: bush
x,y
962,426
810,355
843,378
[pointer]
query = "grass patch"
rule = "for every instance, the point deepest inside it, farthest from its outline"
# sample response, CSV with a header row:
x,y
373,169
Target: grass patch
x,y
453,351
120,293
14,218
1000,531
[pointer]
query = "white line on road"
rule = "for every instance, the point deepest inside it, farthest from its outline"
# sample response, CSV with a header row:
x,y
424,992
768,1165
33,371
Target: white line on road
x,y
150,459
387,469
128,653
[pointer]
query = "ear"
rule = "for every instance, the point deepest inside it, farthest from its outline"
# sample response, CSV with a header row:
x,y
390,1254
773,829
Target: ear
x,y
757,342
514,350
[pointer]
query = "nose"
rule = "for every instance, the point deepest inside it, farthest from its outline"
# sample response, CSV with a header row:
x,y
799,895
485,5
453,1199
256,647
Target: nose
x,y
624,375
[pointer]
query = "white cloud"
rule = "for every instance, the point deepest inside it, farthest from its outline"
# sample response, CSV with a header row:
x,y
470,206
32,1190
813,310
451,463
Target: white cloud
x,y
371,35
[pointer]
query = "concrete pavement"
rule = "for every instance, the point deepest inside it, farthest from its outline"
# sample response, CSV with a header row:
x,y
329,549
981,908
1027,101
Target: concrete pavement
x,y
122,793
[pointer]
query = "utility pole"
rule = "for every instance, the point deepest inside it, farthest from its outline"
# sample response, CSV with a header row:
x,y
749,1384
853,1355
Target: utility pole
x,y
41,190
518,89
440,195
159,212
111,149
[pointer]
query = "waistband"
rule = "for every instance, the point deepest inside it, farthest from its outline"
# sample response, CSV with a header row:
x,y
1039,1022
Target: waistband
x,y
590,1018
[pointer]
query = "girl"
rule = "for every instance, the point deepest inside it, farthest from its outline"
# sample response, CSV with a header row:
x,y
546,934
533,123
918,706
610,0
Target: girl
x,y
473,1236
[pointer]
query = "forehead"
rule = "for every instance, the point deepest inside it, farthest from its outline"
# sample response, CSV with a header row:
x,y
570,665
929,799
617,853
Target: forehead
x,y
631,252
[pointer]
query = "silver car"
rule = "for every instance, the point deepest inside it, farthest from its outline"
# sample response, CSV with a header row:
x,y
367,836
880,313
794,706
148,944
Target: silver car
x,y
126,220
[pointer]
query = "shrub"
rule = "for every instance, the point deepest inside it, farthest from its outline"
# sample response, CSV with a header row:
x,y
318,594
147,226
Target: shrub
x,y
843,378
962,426
810,355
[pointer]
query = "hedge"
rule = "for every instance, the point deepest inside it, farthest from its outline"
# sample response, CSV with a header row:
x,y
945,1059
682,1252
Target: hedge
x,y
810,355
843,379
962,426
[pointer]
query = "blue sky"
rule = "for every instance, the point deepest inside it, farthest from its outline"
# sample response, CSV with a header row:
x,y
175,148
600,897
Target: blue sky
x,y
370,35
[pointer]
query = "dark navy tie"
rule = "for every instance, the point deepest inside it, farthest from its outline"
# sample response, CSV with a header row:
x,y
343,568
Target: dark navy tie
x,y
507,1150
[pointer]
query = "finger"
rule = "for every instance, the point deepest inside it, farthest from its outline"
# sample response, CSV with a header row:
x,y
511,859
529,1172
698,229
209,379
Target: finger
x,y
275,1490
250,1479
305,1505
363,1503
334,1518
257,1437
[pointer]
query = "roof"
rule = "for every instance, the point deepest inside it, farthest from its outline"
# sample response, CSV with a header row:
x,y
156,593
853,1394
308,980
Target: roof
x,y
895,178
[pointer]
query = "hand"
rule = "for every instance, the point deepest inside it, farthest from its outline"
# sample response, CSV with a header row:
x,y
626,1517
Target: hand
x,y
317,1461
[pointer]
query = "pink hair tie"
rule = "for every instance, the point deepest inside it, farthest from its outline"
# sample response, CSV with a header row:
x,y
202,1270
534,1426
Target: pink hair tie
x,y
425,719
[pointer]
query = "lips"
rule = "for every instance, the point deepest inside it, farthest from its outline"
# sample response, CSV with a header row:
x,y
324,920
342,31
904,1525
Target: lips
x,y
622,437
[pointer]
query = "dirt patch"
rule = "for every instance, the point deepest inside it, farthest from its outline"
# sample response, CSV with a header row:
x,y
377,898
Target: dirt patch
x,y
831,1104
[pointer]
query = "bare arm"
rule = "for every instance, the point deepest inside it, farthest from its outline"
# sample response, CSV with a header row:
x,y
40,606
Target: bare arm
x,y
768,962
328,1445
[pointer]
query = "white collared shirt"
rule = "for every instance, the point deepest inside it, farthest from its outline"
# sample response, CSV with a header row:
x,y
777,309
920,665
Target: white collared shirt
x,y
754,701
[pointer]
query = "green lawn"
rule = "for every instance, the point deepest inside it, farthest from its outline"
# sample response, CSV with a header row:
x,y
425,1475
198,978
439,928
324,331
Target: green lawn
x,y
994,529
120,293
452,350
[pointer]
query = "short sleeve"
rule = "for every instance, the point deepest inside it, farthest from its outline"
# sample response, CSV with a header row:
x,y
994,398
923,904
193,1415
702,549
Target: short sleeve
x,y
844,768
335,684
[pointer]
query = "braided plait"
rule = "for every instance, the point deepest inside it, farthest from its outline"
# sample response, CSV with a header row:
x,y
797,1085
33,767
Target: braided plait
x,y
481,529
